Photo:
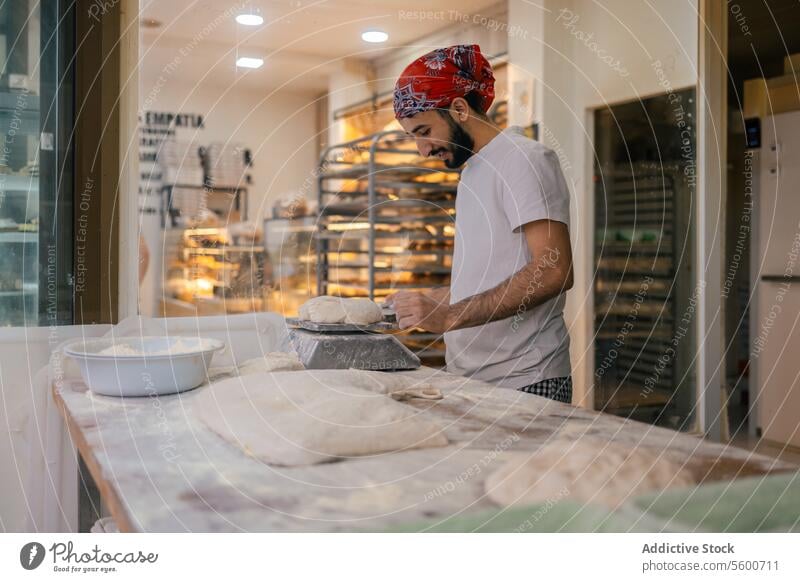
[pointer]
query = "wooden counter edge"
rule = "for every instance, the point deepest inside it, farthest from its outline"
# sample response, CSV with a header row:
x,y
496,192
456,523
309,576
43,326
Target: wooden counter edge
x,y
107,491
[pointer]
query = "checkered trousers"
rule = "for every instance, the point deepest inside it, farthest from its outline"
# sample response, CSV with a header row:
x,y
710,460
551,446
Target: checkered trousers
x,y
559,389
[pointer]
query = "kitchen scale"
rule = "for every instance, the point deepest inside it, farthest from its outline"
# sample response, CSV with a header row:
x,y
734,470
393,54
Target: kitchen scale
x,y
326,346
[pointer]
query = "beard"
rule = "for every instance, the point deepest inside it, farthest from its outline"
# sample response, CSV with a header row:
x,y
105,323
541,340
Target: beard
x,y
460,144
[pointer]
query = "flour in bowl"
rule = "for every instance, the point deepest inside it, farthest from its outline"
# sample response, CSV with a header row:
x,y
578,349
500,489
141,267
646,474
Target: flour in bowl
x,y
180,347
120,350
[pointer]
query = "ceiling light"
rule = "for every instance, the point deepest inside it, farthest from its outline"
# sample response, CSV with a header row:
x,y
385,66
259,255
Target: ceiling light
x,y
249,19
249,62
374,36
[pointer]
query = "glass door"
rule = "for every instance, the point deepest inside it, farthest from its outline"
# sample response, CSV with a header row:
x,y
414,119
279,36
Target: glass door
x,y
36,185
645,299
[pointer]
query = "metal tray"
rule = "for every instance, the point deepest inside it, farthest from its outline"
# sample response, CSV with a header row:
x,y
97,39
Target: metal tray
x,y
339,327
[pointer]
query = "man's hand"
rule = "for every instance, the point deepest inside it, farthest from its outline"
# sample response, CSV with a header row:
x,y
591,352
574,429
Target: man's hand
x,y
547,275
429,312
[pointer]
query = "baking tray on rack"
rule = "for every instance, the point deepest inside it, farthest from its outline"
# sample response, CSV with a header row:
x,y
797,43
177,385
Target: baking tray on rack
x,y
339,327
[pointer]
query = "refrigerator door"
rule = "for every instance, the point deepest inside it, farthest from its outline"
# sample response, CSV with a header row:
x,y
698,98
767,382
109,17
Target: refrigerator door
x,y
775,349
775,334
779,196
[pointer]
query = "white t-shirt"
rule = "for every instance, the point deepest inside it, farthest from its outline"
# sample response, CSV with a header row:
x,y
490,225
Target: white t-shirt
x,y
511,181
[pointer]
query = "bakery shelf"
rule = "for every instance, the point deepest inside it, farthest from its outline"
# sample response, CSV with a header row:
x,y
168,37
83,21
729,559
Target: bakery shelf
x,y
368,233
399,189
26,289
221,250
357,171
435,210
380,201
640,287
443,252
384,288
627,397
18,183
434,270
19,237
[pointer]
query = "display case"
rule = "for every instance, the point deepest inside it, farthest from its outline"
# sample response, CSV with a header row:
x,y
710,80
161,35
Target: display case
x,y
216,272
36,207
214,260
386,223
291,262
19,211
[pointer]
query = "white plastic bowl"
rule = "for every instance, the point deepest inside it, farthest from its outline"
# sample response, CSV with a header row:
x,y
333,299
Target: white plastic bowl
x,y
144,366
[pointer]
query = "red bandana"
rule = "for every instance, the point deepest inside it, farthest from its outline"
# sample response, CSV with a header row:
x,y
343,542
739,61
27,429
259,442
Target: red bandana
x,y
435,79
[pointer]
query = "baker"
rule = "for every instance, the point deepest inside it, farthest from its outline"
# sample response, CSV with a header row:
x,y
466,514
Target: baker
x,y
502,316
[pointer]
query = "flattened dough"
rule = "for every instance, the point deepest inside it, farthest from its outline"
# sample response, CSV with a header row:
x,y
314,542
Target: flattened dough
x,y
398,386
588,469
328,309
271,362
303,418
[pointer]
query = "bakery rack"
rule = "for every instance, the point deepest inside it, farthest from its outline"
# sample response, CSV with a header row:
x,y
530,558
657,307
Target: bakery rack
x,y
386,223
642,291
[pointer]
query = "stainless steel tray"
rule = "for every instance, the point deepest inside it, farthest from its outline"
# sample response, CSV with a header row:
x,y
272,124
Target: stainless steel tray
x,y
339,327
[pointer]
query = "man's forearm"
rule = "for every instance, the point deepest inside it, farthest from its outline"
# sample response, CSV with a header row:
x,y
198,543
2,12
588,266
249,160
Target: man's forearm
x,y
532,285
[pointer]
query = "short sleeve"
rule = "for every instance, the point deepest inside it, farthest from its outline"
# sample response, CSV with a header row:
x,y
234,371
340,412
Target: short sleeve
x,y
534,187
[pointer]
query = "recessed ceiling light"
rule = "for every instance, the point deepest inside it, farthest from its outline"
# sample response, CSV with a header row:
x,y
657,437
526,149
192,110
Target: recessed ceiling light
x,y
375,36
249,62
250,19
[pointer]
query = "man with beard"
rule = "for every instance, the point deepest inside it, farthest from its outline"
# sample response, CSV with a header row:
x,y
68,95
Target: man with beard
x,y
502,316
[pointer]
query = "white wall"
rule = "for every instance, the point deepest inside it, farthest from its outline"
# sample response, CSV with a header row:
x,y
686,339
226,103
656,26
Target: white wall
x,y
584,54
23,352
279,128
352,82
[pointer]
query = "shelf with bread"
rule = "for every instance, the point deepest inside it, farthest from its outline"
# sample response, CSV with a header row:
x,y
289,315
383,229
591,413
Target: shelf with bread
x,y
21,273
641,284
215,272
386,222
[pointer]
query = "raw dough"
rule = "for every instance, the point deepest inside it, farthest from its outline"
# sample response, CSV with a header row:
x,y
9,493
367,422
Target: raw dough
x,y
302,418
271,362
361,311
398,386
323,309
590,470
328,309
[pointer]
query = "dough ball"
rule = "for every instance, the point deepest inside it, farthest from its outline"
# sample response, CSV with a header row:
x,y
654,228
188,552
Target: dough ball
x,y
328,309
590,470
361,311
324,309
